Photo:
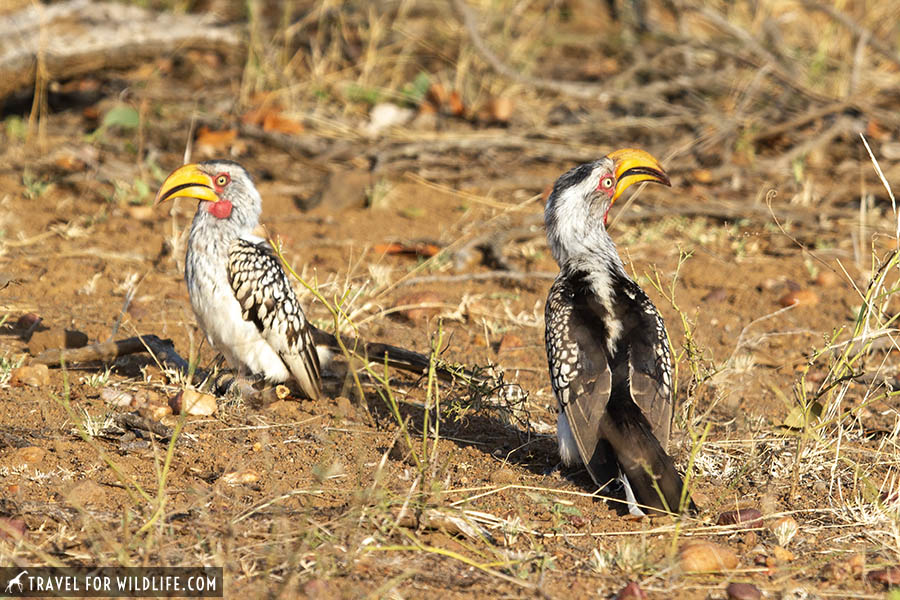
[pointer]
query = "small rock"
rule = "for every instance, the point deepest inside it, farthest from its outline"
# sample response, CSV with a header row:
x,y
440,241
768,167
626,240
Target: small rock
x,y
742,591
510,342
749,517
717,294
243,476
155,412
28,321
799,298
782,555
504,476
496,110
632,591
193,403
85,493
116,397
11,528
827,279
418,306
29,455
706,557
386,114
889,576
33,375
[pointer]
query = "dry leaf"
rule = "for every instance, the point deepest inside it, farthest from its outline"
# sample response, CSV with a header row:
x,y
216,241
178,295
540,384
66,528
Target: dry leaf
x,y
213,139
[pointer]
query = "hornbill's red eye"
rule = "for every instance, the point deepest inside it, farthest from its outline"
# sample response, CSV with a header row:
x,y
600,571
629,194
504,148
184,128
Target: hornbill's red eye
x,y
222,180
606,183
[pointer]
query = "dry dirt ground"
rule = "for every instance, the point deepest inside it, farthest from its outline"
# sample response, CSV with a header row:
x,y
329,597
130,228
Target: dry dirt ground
x,y
785,410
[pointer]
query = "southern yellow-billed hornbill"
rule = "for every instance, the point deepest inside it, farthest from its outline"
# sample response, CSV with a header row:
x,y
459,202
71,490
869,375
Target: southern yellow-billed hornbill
x,y
240,293
610,366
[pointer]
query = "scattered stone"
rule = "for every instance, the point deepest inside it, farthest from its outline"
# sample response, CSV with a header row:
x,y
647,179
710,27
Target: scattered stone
x,y
742,591
28,321
244,476
632,591
717,294
827,279
85,493
505,476
116,397
799,298
749,517
706,557
193,403
29,455
11,528
782,555
155,412
387,114
33,375
889,576
496,110
418,306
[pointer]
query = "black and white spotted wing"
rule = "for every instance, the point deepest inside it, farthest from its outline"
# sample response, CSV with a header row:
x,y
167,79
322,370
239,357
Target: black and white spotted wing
x,y
267,299
580,373
651,360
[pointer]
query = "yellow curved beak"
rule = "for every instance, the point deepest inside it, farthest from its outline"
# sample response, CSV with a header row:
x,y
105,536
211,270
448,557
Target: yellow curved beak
x,y
188,181
633,166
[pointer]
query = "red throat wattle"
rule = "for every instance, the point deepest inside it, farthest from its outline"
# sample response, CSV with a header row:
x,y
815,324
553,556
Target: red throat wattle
x,y
220,209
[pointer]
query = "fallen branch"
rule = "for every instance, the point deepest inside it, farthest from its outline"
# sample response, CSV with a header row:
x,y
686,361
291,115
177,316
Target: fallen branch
x,y
162,350
75,37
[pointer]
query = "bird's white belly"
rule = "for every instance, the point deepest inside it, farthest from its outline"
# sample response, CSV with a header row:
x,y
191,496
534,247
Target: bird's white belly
x,y
238,340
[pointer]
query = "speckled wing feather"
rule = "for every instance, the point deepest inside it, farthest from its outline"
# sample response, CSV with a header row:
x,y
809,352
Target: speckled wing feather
x,y
594,384
580,377
651,359
268,300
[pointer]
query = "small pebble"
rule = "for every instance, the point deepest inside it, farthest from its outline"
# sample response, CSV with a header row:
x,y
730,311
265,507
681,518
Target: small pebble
x,y
193,403
799,298
706,557
30,375
742,591
750,517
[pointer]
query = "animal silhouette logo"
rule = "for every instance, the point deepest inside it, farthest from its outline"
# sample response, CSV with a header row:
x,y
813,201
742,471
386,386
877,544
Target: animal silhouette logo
x,y
17,581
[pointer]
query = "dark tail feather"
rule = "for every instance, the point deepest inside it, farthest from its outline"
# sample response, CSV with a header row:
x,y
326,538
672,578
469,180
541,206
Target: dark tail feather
x,y
398,358
651,472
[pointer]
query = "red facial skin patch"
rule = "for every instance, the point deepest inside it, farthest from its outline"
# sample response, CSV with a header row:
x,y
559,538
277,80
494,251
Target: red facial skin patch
x,y
220,209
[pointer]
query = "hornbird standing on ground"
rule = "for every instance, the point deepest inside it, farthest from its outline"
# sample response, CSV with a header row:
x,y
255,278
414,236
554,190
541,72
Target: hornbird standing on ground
x,y
610,366
240,293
